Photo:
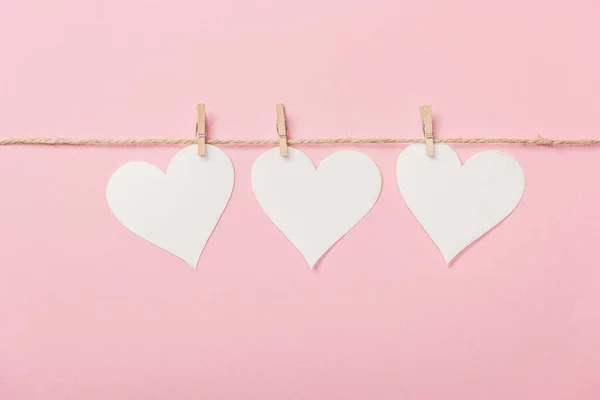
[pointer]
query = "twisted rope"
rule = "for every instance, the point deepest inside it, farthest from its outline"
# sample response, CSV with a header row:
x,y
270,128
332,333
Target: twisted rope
x,y
539,141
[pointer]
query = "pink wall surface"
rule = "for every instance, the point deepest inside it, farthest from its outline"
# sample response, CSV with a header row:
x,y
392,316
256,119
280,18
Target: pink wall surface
x,y
90,311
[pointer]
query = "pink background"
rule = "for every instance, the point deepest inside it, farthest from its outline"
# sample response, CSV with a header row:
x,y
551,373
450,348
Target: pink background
x,y
90,311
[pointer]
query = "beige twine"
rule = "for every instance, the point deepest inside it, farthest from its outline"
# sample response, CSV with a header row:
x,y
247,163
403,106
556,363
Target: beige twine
x,y
539,141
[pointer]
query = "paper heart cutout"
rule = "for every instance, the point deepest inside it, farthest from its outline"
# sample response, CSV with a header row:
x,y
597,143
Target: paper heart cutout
x,y
458,204
176,211
314,208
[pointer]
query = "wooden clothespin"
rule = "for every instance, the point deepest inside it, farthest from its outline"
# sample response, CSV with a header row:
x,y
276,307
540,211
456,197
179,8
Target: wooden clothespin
x,y
282,130
201,129
427,124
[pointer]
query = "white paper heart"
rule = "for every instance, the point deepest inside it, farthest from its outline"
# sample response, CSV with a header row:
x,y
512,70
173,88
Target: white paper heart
x,y
315,208
458,204
176,211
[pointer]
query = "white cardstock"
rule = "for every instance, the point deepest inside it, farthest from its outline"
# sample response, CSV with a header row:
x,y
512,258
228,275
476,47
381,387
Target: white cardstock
x,y
458,204
315,208
176,211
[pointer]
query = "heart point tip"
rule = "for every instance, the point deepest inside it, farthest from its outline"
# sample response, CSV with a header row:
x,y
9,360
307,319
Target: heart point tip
x,y
448,258
192,263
